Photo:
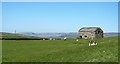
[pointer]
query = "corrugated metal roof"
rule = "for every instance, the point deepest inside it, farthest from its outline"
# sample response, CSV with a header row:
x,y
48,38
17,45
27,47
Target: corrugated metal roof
x,y
88,29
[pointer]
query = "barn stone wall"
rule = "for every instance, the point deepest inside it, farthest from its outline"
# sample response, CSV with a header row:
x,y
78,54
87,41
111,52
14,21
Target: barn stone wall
x,y
87,35
99,35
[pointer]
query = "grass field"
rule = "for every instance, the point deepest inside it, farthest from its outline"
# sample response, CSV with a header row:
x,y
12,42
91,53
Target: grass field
x,y
60,51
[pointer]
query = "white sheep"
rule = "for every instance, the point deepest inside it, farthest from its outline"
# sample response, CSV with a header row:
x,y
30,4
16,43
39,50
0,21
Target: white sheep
x,y
92,43
54,39
65,38
77,40
43,39
50,38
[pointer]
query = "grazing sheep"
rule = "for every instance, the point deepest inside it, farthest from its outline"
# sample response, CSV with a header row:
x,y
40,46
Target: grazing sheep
x,y
43,39
54,39
50,38
92,43
77,40
65,38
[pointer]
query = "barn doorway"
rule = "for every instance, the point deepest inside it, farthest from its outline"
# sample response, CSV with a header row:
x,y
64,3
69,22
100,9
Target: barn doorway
x,y
85,37
80,36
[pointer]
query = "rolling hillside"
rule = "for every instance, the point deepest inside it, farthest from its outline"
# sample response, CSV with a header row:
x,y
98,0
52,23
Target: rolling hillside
x,y
13,35
62,35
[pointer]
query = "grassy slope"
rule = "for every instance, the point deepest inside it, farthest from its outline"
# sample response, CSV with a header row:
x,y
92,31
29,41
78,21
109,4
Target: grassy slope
x,y
60,51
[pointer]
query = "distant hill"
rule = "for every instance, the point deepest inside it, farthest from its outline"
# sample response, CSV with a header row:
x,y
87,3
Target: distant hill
x,y
62,35
111,34
13,35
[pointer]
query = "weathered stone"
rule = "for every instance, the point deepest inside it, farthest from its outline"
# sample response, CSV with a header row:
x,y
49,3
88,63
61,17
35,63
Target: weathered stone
x,y
90,32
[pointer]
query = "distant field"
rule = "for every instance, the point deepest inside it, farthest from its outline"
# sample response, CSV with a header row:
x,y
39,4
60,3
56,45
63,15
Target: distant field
x,y
60,51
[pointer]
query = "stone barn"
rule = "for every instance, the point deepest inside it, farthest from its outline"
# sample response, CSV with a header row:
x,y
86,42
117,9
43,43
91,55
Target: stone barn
x,y
90,32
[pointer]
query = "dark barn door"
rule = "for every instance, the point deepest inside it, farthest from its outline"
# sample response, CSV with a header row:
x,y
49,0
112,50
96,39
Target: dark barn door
x,y
80,36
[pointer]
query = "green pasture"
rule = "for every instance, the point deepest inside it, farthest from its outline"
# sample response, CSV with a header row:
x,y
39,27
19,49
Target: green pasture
x,y
60,50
